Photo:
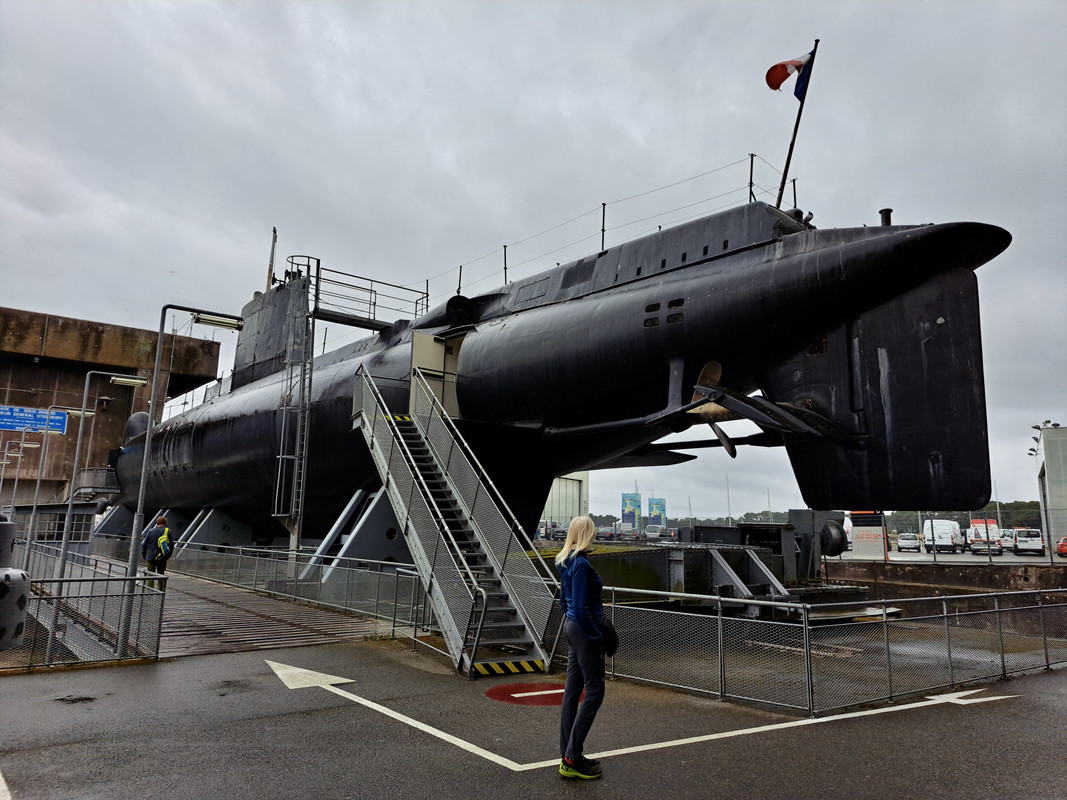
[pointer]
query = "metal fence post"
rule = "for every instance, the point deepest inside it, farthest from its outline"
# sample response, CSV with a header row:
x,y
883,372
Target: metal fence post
x,y
159,626
888,655
948,644
1000,636
722,655
807,659
613,598
1044,635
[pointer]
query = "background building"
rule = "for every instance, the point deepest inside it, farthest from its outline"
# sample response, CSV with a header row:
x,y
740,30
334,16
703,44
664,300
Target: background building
x,y
568,498
44,364
1051,453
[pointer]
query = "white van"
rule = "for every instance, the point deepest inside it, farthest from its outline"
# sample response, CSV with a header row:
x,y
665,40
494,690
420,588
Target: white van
x,y
944,534
984,537
1028,540
653,531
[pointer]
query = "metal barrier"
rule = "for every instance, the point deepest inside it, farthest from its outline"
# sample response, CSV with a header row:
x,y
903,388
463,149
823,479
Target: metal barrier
x,y
796,656
383,590
531,583
828,657
76,620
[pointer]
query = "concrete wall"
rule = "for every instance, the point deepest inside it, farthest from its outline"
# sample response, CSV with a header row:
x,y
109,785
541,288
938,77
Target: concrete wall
x,y
889,580
44,361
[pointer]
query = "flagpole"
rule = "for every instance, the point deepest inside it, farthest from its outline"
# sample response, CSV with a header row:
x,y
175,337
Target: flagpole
x,y
796,127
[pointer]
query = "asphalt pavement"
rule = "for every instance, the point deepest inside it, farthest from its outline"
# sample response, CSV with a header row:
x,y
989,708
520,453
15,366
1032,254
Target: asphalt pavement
x,y
375,720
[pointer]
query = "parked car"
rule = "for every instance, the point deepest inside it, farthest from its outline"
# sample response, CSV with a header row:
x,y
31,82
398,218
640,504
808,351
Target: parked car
x,y
1007,538
908,541
1028,540
1061,547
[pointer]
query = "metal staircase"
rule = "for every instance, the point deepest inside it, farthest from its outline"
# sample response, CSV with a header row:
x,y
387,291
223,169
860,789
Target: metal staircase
x,y
490,597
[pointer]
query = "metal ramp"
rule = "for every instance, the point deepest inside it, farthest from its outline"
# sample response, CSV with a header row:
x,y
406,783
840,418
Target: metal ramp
x,y
490,597
745,579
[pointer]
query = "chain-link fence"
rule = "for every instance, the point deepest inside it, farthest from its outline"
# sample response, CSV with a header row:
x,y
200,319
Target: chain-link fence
x,y
806,658
94,614
809,658
826,657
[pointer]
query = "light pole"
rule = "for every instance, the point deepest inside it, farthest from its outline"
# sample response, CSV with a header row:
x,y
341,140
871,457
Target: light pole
x,y
34,519
200,316
118,378
22,449
23,444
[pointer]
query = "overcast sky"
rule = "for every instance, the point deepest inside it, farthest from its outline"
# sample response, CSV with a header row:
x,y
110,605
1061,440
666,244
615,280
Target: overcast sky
x,y
148,148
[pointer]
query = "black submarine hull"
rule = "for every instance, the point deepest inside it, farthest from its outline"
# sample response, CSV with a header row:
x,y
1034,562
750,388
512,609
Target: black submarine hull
x,y
588,364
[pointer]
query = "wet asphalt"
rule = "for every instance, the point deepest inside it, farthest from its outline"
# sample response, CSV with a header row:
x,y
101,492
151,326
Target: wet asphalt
x,y
404,725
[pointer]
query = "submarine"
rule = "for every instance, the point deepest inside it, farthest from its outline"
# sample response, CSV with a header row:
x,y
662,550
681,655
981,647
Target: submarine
x,y
856,349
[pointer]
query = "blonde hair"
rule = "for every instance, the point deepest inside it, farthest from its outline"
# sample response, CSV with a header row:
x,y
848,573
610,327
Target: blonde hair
x,y
580,536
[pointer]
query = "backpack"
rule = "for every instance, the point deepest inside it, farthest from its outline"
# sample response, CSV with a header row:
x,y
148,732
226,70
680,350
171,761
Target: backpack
x,y
158,550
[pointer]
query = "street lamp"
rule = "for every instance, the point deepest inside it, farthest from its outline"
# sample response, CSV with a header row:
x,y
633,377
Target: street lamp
x,y
34,519
118,378
228,321
23,445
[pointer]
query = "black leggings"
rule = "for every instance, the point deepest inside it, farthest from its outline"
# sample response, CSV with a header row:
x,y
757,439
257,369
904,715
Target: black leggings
x,y
585,670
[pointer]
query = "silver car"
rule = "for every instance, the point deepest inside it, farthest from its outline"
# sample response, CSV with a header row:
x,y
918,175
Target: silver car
x,y
908,541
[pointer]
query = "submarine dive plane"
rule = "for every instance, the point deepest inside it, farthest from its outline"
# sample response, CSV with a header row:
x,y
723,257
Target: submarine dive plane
x,y
856,349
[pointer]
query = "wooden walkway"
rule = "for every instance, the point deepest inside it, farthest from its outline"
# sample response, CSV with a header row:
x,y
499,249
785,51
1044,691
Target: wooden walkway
x,y
201,617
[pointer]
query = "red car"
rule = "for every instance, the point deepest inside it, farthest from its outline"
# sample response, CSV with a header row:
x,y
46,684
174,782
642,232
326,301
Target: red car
x,y
1061,547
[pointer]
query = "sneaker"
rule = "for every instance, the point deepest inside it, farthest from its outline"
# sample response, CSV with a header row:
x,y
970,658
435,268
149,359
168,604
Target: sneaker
x,y
579,768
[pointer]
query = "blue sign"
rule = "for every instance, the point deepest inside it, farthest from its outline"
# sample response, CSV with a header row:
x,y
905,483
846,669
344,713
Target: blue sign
x,y
657,511
631,509
16,418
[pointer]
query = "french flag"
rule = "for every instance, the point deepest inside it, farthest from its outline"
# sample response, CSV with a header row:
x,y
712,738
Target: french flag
x,y
781,71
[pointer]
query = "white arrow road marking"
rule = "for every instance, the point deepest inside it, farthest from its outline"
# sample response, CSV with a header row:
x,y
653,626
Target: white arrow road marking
x,y
297,678
303,678
959,697
5,794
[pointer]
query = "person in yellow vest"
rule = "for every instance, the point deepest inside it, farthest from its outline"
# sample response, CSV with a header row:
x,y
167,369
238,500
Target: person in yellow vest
x,y
156,548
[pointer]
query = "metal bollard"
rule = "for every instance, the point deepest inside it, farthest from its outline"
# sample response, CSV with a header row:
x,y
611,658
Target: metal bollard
x,y
14,591
14,600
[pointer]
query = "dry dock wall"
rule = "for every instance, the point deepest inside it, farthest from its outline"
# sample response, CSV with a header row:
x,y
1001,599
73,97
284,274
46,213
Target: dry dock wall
x,y
888,580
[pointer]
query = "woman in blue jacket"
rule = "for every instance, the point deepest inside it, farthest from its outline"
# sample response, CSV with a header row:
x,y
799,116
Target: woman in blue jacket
x,y
580,599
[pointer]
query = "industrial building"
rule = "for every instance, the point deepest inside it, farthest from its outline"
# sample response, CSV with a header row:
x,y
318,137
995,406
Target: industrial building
x,y
1051,455
64,374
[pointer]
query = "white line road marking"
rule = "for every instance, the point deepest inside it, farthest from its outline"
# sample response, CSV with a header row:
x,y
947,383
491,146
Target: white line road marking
x,y
5,793
537,694
298,678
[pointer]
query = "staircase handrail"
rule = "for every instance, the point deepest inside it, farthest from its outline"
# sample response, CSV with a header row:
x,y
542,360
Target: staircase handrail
x,y
482,474
361,373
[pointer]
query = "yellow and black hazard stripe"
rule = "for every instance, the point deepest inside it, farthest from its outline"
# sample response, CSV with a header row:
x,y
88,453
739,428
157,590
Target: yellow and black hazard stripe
x,y
509,667
401,417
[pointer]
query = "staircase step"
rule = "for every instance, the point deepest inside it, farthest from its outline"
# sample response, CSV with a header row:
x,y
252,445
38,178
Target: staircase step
x,y
519,642
508,667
